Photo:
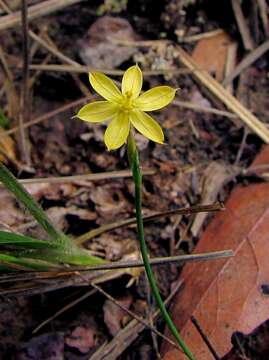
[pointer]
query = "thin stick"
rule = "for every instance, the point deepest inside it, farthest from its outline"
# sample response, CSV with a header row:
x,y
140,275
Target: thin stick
x,y
64,309
89,177
243,28
197,37
52,50
127,335
47,46
132,314
246,62
47,115
35,11
35,275
25,113
263,13
157,261
224,96
86,69
118,224
195,107
204,337
4,6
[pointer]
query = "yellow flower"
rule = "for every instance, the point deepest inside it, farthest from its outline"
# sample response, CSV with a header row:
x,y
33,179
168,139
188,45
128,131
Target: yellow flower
x,y
126,108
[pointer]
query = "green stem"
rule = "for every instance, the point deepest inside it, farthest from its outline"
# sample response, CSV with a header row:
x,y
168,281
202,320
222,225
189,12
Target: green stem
x,y
137,176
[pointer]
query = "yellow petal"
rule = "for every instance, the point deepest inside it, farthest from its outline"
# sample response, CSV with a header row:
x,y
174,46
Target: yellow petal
x,y
97,111
117,131
155,98
132,82
105,87
147,126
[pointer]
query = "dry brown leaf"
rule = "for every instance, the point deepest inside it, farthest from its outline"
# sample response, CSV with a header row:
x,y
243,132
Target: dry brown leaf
x,y
114,315
211,54
215,176
82,338
226,295
98,49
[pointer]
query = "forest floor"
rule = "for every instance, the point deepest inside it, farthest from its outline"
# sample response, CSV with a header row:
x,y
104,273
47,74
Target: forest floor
x,y
210,143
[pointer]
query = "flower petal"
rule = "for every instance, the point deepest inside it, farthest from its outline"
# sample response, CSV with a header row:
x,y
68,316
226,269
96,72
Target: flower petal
x,y
155,98
147,126
117,131
105,87
132,82
97,111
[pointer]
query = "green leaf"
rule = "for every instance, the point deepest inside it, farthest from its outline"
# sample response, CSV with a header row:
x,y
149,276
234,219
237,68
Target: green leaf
x,y
14,263
8,238
33,207
78,256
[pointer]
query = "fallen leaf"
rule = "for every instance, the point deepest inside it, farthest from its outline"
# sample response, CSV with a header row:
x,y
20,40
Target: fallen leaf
x,y
226,295
81,338
10,214
99,49
215,176
211,54
109,200
254,346
114,315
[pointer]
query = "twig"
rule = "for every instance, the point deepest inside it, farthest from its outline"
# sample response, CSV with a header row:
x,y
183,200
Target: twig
x,y
35,11
204,337
224,96
68,277
48,115
4,65
197,37
157,261
25,111
89,177
12,96
43,43
118,224
241,147
230,63
64,309
127,335
133,315
263,13
52,50
98,269
143,43
149,316
247,61
86,69
4,6
243,28
195,107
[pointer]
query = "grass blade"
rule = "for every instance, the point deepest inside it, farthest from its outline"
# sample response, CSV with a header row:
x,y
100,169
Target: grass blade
x,y
8,238
32,206
13,263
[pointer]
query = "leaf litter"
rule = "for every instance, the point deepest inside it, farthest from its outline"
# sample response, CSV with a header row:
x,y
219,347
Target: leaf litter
x,y
60,146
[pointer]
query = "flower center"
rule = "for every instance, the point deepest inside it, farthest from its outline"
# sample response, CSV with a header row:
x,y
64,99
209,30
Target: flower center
x,y
127,103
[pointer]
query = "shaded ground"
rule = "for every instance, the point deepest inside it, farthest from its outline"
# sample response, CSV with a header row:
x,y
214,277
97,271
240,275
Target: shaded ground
x,y
64,146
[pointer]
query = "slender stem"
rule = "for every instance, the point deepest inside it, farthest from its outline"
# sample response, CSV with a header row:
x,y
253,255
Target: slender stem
x,y
137,176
